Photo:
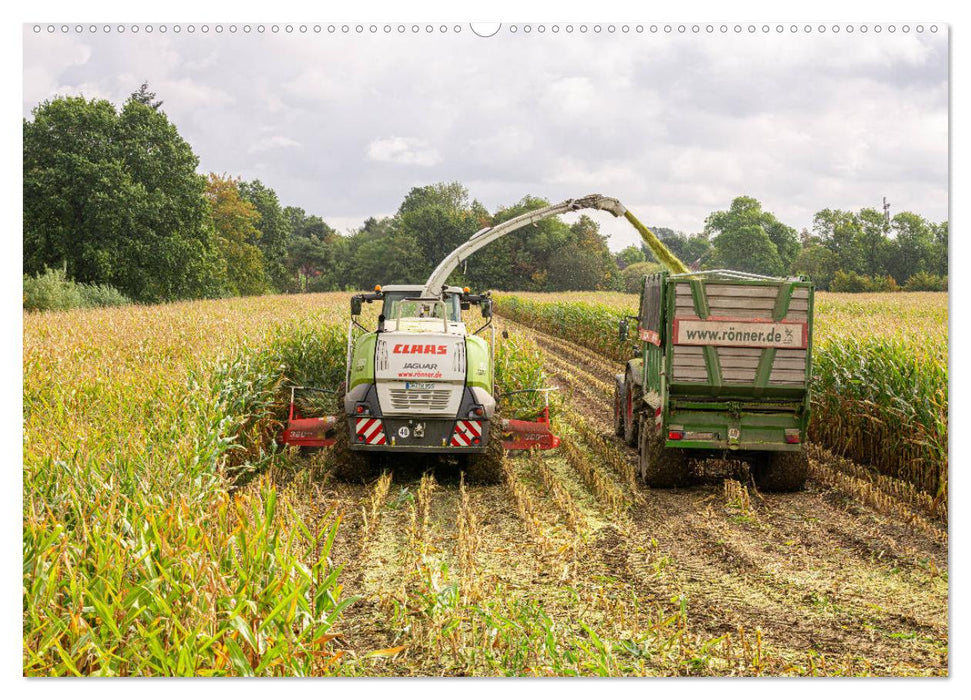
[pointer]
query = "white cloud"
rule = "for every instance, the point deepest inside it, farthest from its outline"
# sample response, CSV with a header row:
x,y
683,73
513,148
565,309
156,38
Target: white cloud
x,y
674,126
402,150
272,143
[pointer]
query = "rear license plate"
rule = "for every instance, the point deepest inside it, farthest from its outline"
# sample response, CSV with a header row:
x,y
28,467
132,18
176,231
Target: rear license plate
x,y
421,386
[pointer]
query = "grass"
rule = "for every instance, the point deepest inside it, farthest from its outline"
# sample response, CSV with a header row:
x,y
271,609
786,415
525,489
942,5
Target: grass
x,y
880,385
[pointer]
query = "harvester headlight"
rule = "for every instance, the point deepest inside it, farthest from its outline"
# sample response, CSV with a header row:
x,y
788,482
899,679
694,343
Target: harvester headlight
x,y
477,411
362,409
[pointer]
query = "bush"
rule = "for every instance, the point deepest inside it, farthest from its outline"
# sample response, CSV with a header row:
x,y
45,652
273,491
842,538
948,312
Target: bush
x,y
55,291
926,282
102,295
632,276
852,282
51,291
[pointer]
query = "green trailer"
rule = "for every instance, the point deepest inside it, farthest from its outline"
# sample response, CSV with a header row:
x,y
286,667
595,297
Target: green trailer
x,y
723,370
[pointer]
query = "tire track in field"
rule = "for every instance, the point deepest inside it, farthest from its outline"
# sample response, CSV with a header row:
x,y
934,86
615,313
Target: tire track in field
x,y
834,595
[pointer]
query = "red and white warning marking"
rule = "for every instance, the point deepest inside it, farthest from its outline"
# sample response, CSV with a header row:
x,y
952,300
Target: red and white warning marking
x,y
370,431
467,432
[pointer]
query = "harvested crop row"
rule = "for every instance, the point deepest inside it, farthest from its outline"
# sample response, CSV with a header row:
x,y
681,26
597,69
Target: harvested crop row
x,y
601,485
560,496
609,453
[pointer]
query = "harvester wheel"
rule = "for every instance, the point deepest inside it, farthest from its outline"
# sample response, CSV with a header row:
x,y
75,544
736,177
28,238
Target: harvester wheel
x,y
781,471
618,407
486,468
660,466
346,464
632,402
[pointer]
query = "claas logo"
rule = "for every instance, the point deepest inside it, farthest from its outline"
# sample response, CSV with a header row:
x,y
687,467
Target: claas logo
x,y
402,349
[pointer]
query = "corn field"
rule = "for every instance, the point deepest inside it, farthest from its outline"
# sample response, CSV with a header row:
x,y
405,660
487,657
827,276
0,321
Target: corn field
x,y
166,534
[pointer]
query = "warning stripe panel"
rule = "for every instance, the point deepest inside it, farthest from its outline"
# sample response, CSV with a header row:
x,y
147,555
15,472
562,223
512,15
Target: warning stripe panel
x,y
465,432
370,430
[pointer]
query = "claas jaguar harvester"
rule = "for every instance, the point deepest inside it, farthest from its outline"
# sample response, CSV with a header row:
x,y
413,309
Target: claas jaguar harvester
x,y
723,370
420,381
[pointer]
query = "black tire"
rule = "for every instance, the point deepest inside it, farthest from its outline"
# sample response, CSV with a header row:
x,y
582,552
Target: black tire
x,y
618,408
632,402
345,463
660,466
486,468
781,472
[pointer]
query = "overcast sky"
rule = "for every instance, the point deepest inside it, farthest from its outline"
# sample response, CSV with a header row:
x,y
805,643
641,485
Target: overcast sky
x,y
674,125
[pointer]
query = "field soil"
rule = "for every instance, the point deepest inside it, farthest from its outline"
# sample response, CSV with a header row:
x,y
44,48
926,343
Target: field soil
x,y
849,576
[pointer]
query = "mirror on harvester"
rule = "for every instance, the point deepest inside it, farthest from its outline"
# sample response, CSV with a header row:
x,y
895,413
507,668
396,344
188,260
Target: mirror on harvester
x,y
355,306
487,308
622,330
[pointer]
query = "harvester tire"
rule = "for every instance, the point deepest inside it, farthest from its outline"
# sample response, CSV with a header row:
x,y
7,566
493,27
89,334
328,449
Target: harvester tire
x,y
618,406
631,404
345,463
782,472
659,466
486,468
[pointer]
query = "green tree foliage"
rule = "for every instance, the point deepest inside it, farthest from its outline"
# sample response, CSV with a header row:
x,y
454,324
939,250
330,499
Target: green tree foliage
x,y
630,256
438,218
114,197
274,227
818,263
235,221
520,260
866,246
585,262
690,249
381,253
748,249
746,214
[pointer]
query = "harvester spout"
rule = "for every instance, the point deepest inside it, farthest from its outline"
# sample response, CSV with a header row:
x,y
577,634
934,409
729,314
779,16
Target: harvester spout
x,y
483,237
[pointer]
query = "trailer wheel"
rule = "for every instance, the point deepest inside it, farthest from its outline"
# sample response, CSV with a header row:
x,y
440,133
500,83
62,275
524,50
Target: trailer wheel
x,y
781,471
486,468
345,463
660,466
632,401
618,406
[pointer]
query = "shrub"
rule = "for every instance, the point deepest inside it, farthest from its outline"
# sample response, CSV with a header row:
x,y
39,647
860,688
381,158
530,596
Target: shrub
x,y
926,282
55,291
51,291
632,276
101,295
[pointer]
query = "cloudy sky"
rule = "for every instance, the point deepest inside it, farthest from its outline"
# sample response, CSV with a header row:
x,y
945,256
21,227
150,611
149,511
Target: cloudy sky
x,y
674,125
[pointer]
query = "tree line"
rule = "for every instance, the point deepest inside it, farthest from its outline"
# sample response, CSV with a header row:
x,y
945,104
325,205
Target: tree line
x,y
112,197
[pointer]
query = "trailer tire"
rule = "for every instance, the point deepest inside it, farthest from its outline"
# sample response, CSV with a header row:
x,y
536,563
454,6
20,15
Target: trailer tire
x,y
632,400
347,464
486,468
619,405
782,472
659,466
